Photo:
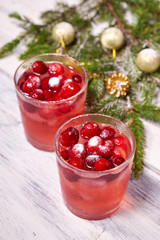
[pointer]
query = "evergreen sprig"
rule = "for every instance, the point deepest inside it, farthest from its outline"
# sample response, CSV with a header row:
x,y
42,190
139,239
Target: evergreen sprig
x,y
141,33
136,126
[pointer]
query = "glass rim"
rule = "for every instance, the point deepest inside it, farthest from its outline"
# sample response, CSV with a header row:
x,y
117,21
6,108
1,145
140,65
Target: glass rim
x,y
109,171
29,99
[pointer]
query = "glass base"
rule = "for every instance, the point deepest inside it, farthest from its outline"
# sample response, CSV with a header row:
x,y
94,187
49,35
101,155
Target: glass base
x,y
43,147
93,216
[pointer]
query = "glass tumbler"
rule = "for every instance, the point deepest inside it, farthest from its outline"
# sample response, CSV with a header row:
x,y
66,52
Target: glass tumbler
x,y
94,194
41,119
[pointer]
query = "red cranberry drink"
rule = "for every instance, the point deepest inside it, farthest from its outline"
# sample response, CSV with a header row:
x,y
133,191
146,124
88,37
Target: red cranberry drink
x,y
94,155
51,88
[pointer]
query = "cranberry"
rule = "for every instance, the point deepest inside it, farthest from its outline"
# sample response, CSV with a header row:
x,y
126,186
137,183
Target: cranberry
x,y
37,94
109,144
78,150
102,164
65,154
107,133
90,160
118,161
90,129
77,78
119,152
69,137
44,82
119,141
32,82
46,113
104,151
47,94
29,107
55,69
65,109
54,84
62,78
57,97
77,162
39,67
70,175
69,89
93,144
22,80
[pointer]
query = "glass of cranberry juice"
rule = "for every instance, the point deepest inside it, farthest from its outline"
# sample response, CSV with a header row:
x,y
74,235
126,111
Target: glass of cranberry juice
x,y
44,109
89,193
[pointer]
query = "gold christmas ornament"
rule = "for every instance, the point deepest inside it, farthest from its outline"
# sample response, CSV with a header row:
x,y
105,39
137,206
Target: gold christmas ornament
x,y
117,84
148,60
112,38
63,31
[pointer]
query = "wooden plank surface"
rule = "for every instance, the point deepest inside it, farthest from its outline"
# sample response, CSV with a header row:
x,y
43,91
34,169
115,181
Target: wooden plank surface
x,y
31,205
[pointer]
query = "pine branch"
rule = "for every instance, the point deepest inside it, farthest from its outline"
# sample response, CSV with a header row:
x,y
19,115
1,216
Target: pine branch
x,y
148,111
148,92
96,89
137,128
9,47
16,16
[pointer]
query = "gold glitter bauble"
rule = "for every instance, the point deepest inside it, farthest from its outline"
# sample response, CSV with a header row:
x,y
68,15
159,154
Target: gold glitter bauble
x,y
112,38
65,31
118,84
148,60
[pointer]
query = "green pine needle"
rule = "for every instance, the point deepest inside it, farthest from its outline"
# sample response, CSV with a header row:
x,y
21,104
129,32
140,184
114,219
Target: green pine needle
x,y
9,47
96,90
148,111
137,128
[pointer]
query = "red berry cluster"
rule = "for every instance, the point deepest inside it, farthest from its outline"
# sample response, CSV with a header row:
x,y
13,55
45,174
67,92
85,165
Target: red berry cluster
x,y
50,82
93,147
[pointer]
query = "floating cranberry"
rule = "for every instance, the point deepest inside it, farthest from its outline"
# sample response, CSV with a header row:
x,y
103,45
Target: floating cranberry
x,y
119,141
44,82
69,137
32,82
78,150
55,69
77,162
29,107
102,164
46,113
37,94
39,67
65,154
69,89
62,78
118,161
104,151
109,144
57,97
65,109
22,80
93,144
54,84
77,78
90,160
90,129
47,94
119,152
107,133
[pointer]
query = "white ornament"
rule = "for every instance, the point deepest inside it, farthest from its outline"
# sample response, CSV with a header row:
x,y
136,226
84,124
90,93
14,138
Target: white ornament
x,y
63,31
112,38
148,60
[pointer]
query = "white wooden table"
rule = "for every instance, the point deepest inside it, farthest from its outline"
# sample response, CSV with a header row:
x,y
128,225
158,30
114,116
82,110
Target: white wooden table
x,y
31,205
